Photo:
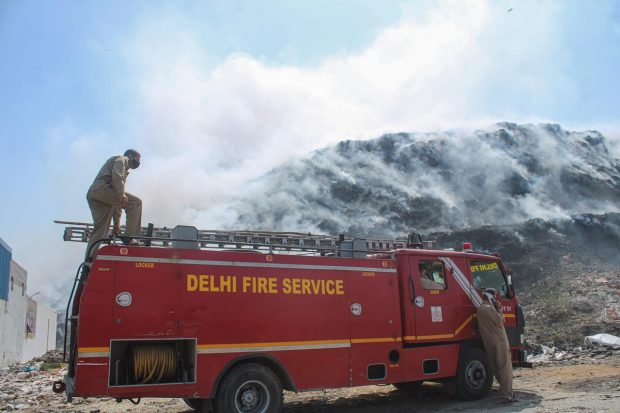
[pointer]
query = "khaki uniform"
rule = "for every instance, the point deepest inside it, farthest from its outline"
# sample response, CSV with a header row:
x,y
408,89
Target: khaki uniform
x,y
430,284
104,200
491,327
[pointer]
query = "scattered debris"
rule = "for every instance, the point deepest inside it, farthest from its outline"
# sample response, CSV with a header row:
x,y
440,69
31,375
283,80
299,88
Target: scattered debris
x,y
542,354
28,385
602,340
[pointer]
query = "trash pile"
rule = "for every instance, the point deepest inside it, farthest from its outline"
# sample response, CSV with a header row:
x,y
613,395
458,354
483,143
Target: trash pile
x,y
52,356
596,347
28,386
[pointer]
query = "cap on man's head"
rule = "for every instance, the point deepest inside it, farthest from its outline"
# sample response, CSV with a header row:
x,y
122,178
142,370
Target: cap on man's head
x,y
489,294
131,152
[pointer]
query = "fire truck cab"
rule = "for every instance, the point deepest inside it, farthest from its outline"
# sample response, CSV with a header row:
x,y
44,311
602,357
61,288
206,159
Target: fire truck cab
x,y
230,329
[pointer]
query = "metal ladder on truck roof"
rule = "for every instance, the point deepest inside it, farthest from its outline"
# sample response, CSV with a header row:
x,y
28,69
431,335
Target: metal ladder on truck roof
x,y
271,241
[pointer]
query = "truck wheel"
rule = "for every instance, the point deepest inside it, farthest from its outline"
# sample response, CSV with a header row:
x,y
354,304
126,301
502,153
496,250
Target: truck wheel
x,y
408,386
196,404
249,388
474,377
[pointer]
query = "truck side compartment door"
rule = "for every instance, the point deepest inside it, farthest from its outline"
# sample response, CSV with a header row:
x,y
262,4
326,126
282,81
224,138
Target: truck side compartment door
x,y
375,328
147,300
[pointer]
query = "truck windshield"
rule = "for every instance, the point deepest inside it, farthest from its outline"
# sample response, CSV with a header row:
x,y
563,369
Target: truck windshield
x,y
487,274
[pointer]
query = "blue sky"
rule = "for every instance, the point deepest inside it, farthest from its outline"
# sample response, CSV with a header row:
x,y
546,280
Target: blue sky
x,y
214,93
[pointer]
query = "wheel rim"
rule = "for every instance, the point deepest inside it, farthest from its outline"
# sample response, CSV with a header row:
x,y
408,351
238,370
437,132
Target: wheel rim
x,y
475,375
252,397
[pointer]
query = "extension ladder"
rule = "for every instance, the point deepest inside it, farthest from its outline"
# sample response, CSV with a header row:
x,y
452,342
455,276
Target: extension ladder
x,y
268,240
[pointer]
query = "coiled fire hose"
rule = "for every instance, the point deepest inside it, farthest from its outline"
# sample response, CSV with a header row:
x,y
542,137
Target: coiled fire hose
x,y
153,361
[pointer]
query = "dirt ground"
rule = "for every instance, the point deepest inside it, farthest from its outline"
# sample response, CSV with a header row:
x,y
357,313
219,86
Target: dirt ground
x,y
586,386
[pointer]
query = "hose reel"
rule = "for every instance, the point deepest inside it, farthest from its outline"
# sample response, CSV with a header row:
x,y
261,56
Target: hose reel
x,y
153,362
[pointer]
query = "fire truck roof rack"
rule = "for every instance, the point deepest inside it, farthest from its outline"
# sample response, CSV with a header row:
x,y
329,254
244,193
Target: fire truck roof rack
x,y
269,241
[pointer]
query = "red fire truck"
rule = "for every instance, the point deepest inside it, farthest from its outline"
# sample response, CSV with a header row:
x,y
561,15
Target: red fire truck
x,y
230,328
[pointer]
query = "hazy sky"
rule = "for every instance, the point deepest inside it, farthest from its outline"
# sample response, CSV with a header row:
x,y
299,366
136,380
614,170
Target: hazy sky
x,y
214,93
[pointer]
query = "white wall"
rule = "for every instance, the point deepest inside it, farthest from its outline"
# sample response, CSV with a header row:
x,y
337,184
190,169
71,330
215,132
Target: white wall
x,y
13,317
45,334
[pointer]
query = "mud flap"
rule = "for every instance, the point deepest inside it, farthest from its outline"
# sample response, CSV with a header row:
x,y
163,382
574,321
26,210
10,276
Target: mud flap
x,y
521,360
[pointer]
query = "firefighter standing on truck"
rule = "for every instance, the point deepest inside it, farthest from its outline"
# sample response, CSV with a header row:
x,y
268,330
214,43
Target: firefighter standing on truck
x,y
491,327
107,198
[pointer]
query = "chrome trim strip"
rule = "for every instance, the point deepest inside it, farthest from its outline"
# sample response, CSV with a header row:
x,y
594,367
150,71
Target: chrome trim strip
x,y
274,348
242,264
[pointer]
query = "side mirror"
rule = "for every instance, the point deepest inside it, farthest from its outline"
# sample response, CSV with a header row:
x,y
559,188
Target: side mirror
x,y
508,289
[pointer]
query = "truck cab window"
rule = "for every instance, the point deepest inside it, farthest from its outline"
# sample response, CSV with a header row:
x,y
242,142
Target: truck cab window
x,y
432,276
488,274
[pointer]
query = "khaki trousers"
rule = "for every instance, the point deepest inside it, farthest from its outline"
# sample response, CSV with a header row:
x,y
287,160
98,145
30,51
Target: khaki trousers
x,y
102,203
498,354
496,345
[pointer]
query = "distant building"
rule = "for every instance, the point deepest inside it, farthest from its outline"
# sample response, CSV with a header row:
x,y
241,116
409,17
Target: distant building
x,y
27,328
12,307
40,330
5,270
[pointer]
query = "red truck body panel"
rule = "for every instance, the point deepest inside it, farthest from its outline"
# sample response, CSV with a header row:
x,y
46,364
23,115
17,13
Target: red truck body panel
x,y
328,322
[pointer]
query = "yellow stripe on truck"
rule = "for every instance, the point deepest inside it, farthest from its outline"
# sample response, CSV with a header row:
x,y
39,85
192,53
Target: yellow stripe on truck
x,y
93,352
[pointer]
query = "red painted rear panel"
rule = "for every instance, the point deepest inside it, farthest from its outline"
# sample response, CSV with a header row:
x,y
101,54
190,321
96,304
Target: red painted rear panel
x,y
233,304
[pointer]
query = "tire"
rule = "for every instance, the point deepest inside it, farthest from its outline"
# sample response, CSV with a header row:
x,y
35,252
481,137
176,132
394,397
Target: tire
x,y
195,404
408,386
474,377
249,388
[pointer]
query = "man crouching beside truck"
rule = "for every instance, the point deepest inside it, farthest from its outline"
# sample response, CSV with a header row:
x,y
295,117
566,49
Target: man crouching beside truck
x,y
107,198
491,327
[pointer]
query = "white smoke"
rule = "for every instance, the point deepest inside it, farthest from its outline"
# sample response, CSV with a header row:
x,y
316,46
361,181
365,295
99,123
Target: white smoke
x,y
205,130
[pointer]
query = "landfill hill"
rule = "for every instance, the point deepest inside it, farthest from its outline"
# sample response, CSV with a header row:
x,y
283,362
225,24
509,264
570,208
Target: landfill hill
x,y
505,174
